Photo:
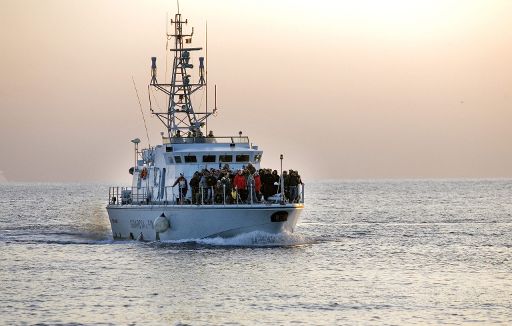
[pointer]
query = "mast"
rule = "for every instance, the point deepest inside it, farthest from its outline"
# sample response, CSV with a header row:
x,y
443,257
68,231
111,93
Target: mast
x,y
206,73
181,119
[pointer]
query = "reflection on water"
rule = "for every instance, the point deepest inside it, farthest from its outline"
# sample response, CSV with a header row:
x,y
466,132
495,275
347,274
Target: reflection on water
x,y
396,252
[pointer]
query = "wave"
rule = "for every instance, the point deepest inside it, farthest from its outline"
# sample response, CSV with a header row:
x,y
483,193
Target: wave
x,y
251,239
60,241
56,237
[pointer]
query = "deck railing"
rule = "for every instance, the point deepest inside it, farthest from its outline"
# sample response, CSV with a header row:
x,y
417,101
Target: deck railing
x,y
200,196
208,140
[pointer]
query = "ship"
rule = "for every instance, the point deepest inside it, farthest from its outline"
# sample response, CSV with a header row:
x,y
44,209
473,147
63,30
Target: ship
x,y
162,204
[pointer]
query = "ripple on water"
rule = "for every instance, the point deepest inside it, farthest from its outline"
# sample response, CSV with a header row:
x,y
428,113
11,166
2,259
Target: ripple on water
x,y
365,252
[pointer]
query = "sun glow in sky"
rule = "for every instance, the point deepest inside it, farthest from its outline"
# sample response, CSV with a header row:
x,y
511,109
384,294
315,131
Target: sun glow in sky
x,y
345,89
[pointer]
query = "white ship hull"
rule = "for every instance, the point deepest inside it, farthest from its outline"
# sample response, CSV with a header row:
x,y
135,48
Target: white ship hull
x,y
195,222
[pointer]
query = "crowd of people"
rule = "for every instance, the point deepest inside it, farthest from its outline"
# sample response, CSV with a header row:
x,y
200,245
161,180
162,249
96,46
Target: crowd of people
x,y
246,185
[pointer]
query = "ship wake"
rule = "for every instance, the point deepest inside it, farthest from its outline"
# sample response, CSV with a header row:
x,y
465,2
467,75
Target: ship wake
x,y
251,239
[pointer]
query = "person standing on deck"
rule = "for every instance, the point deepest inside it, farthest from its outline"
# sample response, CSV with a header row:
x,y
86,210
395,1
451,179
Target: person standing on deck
x,y
182,182
211,183
240,184
251,187
203,187
266,183
276,181
294,181
286,184
194,184
257,185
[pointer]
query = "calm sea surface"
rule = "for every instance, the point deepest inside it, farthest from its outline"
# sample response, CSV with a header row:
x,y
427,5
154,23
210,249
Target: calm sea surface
x,y
371,253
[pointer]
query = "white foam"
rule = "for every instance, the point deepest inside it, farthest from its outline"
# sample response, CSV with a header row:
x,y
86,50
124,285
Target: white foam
x,y
256,238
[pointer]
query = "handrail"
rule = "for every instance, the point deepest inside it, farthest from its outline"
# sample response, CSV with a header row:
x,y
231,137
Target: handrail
x,y
202,196
207,140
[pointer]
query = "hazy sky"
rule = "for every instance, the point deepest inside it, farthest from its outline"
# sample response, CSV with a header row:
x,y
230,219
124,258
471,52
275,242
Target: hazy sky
x,y
344,89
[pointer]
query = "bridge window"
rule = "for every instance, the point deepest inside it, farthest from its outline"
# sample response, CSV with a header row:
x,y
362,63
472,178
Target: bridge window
x,y
209,158
257,158
225,158
177,159
242,158
190,159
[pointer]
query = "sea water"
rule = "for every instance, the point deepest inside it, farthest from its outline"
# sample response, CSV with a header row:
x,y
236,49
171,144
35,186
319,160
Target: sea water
x,y
412,252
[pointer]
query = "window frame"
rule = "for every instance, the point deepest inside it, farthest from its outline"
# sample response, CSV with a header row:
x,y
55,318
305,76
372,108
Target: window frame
x,y
210,156
248,160
187,159
226,155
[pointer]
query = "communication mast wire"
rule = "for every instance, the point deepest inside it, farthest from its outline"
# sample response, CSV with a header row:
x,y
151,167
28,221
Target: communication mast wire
x,y
141,112
151,94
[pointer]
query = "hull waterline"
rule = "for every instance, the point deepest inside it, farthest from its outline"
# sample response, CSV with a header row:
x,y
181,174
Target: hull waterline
x,y
195,222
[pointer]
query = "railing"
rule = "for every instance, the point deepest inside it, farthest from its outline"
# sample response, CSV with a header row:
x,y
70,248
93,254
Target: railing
x,y
210,140
220,195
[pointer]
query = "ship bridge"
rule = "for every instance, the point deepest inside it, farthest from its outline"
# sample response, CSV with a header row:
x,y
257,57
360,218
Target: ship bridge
x,y
203,152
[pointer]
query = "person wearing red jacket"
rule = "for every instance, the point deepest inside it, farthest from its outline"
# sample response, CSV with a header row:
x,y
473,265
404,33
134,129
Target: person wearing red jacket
x,y
257,184
240,184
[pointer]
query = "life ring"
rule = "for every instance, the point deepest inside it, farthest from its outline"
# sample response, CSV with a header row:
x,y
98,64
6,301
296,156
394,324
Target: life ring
x,y
144,173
